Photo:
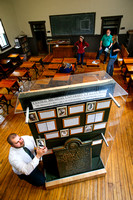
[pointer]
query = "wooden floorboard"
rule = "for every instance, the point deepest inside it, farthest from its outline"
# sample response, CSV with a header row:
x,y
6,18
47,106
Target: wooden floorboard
x,y
116,185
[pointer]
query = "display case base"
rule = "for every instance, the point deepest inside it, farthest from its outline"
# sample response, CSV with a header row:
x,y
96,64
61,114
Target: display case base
x,y
75,178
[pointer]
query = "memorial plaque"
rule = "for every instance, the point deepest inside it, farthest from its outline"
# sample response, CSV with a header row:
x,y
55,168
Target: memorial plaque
x,y
74,157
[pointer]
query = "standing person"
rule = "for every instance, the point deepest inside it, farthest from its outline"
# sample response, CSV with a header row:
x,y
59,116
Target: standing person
x,y
81,45
105,45
23,159
113,55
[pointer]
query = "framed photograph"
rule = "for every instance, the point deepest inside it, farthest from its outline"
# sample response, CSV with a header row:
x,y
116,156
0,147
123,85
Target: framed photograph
x,y
76,130
99,116
76,109
33,117
52,135
88,128
46,126
62,111
72,121
99,126
64,133
103,104
90,106
47,114
41,142
95,117
90,118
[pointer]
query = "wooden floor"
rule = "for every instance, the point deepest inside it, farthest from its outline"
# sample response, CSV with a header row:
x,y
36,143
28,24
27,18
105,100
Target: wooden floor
x,y
116,185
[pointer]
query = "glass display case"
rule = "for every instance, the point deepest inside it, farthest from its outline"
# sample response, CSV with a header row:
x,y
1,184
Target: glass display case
x,y
76,117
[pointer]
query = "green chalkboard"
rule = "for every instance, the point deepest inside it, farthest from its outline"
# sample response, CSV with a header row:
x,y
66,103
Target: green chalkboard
x,y
72,24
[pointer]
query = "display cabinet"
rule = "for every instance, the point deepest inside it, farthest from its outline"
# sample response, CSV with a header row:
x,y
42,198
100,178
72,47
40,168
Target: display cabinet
x,y
21,43
77,120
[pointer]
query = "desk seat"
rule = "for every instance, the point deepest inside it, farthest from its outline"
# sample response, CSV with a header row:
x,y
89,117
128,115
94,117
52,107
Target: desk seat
x,y
47,58
54,66
49,73
21,75
57,60
5,99
128,60
93,63
61,77
70,60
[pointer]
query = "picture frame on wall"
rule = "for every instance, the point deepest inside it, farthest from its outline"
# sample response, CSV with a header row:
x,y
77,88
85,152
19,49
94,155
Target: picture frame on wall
x,y
64,133
88,128
90,106
40,142
33,117
62,111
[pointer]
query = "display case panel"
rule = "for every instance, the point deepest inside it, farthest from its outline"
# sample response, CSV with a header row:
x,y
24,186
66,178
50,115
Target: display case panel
x,y
75,117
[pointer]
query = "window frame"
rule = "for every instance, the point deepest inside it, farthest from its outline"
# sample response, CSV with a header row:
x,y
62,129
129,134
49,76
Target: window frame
x,y
6,38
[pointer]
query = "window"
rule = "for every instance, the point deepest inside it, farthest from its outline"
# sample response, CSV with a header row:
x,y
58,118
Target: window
x,y
112,23
4,43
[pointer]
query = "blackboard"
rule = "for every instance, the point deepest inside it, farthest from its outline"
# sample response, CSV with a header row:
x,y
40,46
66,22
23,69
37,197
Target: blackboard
x,y
72,24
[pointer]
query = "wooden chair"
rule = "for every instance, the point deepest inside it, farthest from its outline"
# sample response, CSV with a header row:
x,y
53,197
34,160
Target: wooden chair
x,y
6,100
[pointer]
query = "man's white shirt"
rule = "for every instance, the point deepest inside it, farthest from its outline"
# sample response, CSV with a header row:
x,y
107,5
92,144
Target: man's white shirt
x,y
21,162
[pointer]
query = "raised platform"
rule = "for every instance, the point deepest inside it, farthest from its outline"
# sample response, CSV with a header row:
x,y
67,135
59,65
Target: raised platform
x,y
75,179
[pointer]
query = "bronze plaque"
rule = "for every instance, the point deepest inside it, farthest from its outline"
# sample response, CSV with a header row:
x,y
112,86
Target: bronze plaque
x,y
74,158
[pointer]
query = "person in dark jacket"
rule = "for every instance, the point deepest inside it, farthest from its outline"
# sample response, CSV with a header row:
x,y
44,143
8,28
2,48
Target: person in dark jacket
x,y
65,68
113,55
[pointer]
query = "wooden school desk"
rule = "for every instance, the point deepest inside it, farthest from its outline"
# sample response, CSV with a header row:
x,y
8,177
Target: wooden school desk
x,y
57,60
36,59
49,73
21,74
29,65
61,77
10,85
54,66
70,60
93,63
128,60
14,57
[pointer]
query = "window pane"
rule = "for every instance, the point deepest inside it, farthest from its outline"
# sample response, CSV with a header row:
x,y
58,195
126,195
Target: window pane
x,y
3,38
1,28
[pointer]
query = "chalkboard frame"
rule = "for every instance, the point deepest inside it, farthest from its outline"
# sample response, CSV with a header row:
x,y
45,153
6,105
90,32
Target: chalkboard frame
x,y
62,25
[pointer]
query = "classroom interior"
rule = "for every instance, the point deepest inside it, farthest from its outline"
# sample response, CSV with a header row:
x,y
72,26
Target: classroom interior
x,y
38,62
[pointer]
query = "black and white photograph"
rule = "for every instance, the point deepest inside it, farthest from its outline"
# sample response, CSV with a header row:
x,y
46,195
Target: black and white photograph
x,y
41,142
88,128
90,106
33,117
62,111
64,133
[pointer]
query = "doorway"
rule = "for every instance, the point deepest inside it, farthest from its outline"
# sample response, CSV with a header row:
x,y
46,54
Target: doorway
x,y
38,30
112,23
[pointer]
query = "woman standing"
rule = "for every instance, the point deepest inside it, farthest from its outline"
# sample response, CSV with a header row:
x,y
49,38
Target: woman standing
x,y
81,45
113,55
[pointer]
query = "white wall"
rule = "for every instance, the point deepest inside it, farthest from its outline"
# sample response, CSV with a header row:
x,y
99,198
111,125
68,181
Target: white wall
x,y
33,10
7,15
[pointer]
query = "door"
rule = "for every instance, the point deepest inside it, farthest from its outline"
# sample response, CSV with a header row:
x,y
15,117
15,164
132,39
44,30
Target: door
x,y
38,30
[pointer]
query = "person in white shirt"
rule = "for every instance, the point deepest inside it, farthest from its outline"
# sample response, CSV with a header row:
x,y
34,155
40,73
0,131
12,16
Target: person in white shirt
x,y
25,164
